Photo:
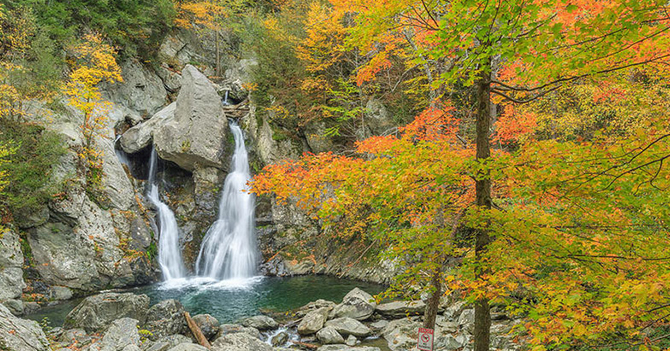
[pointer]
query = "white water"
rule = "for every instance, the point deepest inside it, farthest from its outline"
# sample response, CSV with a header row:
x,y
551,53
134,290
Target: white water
x,y
169,253
228,250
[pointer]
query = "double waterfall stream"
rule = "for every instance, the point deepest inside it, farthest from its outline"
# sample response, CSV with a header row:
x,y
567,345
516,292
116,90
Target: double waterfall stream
x,y
228,250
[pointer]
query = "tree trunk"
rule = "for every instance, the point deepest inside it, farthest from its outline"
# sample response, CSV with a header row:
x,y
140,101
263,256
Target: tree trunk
x,y
218,54
434,301
483,201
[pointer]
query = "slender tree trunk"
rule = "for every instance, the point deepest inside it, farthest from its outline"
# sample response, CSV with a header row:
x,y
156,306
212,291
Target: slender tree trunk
x,y
483,201
434,301
218,54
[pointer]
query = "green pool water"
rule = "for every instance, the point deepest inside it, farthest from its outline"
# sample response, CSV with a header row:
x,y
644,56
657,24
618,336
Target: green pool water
x,y
229,301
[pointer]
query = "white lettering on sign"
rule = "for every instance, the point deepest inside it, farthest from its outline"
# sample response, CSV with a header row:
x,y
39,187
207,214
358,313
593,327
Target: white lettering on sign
x,y
425,341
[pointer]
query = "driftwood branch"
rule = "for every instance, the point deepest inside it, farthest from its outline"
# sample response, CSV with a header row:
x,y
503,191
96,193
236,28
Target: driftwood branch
x,y
197,333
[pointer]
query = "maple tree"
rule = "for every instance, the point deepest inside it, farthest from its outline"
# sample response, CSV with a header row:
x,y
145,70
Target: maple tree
x,y
94,63
509,52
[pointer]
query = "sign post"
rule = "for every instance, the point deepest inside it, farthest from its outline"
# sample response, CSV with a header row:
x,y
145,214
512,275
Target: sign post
x,y
425,341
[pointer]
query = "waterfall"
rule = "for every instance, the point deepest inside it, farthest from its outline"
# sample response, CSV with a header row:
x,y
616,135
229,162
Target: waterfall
x,y
169,253
229,248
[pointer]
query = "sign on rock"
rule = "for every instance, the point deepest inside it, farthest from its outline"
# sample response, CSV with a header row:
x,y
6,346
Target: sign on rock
x,y
425,341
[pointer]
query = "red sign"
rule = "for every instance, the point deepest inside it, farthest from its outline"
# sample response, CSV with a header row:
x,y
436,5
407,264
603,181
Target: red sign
x,y
425,341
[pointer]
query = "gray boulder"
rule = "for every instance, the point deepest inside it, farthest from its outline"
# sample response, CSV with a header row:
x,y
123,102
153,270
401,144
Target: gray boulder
x,y
18,334
122,333
329,335
11,262
260,322
348,326
97,312
196,134
226,329
166,318
313,321
401,308
140,136
15,306
279,339
401,334
315,305
208,324
356,304
167,342
351,341
240,342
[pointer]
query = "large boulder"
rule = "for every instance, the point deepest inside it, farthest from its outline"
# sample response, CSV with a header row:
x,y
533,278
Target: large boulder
x,y
240,342
313,321
401,308
166,318
196,134
207,324
18,334
11,262
260,322
357,304
348,326
140,136
96,312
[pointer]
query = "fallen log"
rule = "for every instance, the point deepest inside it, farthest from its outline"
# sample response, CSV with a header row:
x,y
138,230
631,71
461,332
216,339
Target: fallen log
x,y
197,333
306,345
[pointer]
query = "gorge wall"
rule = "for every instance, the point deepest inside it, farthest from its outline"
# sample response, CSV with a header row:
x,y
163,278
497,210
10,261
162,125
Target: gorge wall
x,y
84,241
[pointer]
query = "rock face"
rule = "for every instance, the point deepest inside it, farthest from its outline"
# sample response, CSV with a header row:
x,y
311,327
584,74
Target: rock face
x,y
140,136
197,132
11,261
18,334
357,304
313,321
141,89
97,312
240,342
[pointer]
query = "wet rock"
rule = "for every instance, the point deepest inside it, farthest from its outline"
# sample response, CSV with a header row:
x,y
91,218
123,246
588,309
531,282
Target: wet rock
x,y
239,342
279,339
260,322
97,312
313,321
18,334
357,304
348,326
397,309
329,335
208,324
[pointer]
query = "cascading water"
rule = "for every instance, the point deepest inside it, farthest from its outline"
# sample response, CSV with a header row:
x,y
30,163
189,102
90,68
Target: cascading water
x,y
229,248
169,253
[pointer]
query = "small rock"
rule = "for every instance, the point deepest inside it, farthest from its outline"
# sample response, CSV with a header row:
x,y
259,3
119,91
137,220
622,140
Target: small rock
x,y
379,325
61,293
351,341
329,335
279,339
349,326
260,322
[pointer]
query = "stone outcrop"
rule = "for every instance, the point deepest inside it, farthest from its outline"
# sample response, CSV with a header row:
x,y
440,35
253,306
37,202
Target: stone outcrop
x,y
11,262
97,312
141,89
18,334
140,136
196,134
